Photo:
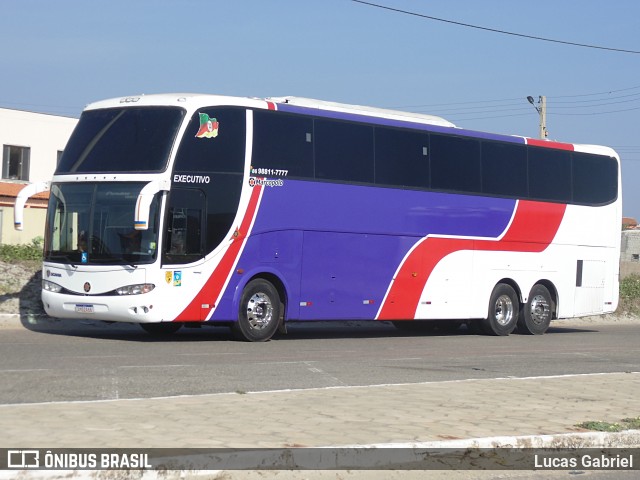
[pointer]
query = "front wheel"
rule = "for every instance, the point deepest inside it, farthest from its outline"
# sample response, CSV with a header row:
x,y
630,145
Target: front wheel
x,y
537,311
260,312
504,308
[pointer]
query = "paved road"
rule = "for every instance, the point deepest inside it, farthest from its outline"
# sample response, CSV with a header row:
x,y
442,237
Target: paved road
x,y
488,403
64,361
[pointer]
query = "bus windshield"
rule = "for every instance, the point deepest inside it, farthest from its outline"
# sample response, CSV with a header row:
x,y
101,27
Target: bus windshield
x,y
92,223
134,139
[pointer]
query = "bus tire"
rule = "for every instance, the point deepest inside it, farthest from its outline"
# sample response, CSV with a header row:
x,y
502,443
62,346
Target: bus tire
x,y
163,328
260,312
504,306
537,311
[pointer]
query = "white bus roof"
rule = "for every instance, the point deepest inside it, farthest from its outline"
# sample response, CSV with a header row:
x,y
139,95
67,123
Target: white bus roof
x,y
362,110
189,98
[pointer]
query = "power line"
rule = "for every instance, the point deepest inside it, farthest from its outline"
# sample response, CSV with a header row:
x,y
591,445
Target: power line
x,y
573,102
533,37
599,93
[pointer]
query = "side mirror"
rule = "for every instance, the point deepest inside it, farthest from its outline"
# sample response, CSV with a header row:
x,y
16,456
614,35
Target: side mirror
x,y
28,191
143,203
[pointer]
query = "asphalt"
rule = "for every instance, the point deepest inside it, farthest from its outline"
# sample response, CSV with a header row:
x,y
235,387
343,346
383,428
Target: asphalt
x,y
503,412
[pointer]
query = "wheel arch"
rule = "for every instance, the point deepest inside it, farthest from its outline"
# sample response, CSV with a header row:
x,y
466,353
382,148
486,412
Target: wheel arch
x,y
272,277
513,284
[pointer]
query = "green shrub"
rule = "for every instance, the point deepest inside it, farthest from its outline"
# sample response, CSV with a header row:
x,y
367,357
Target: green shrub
x,y
630,295
13,253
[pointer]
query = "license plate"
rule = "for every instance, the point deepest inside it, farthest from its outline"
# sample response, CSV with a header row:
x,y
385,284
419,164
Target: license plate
x,y
83,308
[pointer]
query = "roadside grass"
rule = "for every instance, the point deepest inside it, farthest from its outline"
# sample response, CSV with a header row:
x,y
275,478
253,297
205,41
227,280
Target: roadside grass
x,y
629,296
600,426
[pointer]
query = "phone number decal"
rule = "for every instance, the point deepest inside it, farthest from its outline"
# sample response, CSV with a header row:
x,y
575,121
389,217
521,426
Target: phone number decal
x,y
271,172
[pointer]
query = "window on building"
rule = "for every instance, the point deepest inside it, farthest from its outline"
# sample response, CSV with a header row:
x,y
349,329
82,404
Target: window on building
x,y
58,157
15,162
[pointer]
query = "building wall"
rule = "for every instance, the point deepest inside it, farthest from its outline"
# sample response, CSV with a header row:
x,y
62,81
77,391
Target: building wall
x,y
630,247
44,134
34,220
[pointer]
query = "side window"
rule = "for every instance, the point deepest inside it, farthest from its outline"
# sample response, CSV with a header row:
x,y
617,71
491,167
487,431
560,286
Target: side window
x,y
455,163
595,179
549,174
185,216
504,169
283,142
343,151
223,196
214,141
401,158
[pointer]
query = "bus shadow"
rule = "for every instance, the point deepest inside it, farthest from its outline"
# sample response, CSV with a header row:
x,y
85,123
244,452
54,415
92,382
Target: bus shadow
x,y
295,331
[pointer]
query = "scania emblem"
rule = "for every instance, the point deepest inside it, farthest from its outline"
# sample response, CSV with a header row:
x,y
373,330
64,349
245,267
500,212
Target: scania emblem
x,y
87,287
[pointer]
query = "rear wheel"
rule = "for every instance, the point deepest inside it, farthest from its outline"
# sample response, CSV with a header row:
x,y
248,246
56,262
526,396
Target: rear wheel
x,y
504,307
537,311
164,328
260,312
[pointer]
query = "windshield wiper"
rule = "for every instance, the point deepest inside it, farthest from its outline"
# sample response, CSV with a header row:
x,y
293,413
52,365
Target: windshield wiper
x,y
113,260
68,258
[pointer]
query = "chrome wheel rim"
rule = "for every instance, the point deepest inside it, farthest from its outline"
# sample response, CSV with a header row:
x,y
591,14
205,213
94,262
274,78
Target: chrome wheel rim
x,y
259,311
539,309
503,312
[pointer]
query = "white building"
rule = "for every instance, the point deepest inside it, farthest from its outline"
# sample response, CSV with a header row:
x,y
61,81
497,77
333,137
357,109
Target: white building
x,y
32,144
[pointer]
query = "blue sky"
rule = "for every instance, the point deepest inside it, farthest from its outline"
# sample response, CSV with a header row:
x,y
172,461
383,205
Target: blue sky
x,y
59,56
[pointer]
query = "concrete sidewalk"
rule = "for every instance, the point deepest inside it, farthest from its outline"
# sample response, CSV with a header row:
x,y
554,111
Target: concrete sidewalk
x,y
458,411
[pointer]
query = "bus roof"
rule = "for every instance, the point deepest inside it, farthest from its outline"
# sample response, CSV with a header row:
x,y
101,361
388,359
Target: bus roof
x,y
330,109
183,99
362,110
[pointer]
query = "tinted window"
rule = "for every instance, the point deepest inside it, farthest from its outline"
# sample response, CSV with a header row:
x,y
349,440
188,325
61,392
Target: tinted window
x,y
214,141
504,169
121,140
595,178
549,174
283,142
183,241
223,196
343,151
401,158
455,163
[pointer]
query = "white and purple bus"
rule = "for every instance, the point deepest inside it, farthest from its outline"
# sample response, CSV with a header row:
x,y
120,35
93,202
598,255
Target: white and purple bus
x,y
211,210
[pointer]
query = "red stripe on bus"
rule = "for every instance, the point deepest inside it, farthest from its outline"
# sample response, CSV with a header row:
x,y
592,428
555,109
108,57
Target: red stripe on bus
x,y
550,144
214,285
532,230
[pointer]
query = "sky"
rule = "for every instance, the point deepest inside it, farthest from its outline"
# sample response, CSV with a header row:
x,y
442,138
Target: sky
x,y
59,56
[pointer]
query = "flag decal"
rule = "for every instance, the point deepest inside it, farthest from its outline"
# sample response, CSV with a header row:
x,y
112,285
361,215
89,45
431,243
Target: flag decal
x,y
208,127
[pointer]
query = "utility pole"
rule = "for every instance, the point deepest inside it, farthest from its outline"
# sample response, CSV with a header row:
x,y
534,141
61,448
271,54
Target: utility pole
x,y
542,111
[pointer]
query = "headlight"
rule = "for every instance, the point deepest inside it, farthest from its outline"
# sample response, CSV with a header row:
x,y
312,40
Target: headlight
x,y
135,289
50,286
